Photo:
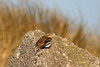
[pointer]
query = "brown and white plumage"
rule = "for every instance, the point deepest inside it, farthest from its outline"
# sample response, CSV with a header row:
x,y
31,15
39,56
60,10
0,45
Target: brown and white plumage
x,y
44,42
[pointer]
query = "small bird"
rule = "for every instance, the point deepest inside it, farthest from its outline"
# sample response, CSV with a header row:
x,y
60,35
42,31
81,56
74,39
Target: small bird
x,y
44,42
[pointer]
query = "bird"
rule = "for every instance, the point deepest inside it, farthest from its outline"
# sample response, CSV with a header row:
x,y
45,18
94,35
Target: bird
x,y
44,42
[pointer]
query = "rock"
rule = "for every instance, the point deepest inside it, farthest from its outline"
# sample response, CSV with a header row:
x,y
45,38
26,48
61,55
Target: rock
x,y
62,53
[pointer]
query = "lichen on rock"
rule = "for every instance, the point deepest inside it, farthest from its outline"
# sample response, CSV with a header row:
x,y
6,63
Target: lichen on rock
x,y
62,53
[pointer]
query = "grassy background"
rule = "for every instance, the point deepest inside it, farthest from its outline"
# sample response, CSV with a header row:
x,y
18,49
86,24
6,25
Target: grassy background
x,y
16,21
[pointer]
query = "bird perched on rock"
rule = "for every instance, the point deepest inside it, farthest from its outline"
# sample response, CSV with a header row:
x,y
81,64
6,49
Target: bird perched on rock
x,y
44,42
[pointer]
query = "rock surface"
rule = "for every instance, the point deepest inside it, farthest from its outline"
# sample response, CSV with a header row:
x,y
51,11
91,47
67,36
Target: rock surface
x,y
62,53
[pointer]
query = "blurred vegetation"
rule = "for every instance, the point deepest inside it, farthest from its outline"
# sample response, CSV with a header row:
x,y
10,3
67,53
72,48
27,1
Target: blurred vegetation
x,y
15,21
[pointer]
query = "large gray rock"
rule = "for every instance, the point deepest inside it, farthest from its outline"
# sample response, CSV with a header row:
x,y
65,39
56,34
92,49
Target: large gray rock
x,y
62,53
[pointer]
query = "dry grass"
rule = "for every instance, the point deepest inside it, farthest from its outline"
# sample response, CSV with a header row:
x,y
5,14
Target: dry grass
x,y
15,23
